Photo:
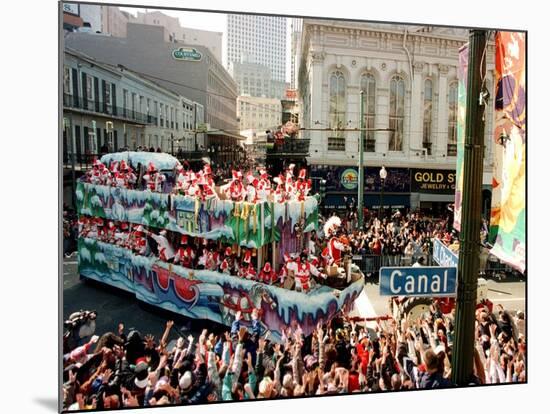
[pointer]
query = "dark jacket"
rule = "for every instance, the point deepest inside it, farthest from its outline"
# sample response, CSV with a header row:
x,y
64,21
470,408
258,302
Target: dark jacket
x,y
433,380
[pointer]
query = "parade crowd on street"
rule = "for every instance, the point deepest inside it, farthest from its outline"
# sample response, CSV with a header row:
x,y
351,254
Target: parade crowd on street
x,y
129,369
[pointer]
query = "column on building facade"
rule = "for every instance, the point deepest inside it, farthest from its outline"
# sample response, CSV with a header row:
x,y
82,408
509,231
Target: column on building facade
x,y
442,113
353,109
416,124
318,138
382,119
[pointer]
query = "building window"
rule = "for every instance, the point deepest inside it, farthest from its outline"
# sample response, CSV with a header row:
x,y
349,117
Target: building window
x,y
397,113
176,112
337,111
427,130
124,102
171,117
134,98
162,115
90,90
108,100
453,110
368,86
67,80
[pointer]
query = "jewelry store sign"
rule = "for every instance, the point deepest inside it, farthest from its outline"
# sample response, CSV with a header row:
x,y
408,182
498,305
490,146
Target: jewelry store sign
x,y
433,181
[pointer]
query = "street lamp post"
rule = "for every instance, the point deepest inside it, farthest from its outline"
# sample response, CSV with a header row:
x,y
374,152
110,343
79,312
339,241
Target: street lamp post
x,y
383,175
360,186
468,260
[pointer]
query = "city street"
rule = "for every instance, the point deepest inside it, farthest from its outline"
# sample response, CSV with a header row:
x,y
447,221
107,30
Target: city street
x,y
114,306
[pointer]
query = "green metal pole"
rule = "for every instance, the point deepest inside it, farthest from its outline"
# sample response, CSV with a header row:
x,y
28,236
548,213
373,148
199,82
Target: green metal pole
x,y
468,263
360,186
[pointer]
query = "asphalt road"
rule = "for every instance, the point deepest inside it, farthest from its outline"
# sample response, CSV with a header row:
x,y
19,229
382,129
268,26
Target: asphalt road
x,y
114,306
509,293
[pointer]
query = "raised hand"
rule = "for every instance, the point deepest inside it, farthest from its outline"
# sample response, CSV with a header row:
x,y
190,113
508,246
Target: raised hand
x,y
149,341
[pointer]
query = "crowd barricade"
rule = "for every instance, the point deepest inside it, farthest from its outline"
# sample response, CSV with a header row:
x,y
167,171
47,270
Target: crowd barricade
x,y
493,268
370,264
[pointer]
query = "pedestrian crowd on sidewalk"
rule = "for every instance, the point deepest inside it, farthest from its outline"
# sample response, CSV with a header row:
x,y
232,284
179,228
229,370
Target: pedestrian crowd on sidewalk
x,y
128,369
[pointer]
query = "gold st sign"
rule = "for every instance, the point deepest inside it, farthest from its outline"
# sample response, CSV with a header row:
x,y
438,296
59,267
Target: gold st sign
x,y
433,181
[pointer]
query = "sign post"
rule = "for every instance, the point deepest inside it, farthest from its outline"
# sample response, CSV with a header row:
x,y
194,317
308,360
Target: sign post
x,y
360,184
470,222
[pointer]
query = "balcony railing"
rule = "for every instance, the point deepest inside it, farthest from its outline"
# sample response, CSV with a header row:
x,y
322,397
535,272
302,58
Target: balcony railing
x,y
428,146
370,145
290,146
451,150
336,144
70,101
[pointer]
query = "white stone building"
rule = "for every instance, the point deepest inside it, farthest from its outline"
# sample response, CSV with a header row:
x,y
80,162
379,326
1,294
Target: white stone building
x,y
409,77
258,114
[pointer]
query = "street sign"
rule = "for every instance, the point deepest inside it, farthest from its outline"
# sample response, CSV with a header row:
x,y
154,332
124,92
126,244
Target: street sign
x,y
443,255
432,281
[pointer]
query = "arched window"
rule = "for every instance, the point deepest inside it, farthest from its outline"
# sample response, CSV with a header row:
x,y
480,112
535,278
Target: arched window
x,y
337,111
397,113
427,131
368,86
453,111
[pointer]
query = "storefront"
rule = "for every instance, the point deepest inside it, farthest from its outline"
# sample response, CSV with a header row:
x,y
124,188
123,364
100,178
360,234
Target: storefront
x,y
415,188
432,190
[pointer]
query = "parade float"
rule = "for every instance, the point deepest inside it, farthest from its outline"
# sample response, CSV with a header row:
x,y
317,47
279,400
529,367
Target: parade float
x,y
271,231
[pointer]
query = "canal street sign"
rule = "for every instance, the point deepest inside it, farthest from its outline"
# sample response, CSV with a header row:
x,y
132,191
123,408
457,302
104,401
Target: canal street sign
x,y
443,255
418,281
186,53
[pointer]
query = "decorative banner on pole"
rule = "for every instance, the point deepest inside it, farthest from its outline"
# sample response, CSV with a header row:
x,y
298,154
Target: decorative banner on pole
x,y
507,232
460,130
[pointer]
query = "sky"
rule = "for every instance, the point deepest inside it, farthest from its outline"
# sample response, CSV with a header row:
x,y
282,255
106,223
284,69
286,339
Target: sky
x,y
216,22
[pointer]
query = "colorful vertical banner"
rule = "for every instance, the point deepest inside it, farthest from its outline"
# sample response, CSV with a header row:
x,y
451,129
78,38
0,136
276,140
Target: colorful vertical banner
x,y
507,232
460,131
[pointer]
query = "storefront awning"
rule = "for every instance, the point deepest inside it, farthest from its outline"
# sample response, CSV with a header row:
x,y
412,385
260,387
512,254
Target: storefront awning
x,y
225,134
438,198
336,201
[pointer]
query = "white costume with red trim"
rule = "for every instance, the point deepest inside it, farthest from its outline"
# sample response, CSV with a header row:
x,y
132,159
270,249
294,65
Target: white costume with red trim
x,y
335,248
166,252
303,275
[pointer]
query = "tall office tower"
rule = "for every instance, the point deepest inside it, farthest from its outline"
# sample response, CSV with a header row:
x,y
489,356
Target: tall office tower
x,y
258,39
295,47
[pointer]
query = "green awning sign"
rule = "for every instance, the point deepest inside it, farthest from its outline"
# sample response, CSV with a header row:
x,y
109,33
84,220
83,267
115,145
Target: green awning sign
x,y
185,53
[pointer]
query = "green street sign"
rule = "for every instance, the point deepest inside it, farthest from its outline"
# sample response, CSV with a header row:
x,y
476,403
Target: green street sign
x,y
185,53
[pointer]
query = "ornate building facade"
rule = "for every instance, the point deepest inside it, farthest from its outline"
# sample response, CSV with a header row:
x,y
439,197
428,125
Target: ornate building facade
x,y
408,75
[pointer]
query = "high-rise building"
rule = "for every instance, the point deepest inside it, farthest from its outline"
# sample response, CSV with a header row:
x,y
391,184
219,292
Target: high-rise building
x,y
258,39
295,48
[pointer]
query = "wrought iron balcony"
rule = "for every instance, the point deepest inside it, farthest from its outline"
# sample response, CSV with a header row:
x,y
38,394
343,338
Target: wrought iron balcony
x,y
288,147
73,102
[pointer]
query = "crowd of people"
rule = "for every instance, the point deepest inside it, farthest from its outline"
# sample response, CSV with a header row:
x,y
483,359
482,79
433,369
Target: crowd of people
x,y
120,369
305,269
244,185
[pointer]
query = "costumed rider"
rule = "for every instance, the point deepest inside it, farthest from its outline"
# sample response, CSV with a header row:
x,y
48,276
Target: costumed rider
x,y
280,191
304,272
225,266
267,274
185,253
236,191
154,179
251,188
208,185
165,249
303,186
336,246
290,185
264,186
